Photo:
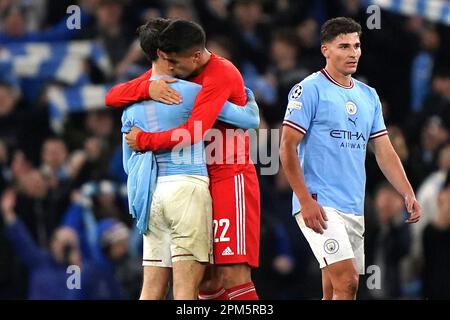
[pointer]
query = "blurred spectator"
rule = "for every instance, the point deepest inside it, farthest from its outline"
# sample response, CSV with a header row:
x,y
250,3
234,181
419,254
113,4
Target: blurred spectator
x,y
34,207
213,15
436,241
308,34
47,269
107,202
389,241
97,137
14,27
94,201
10,128
427,195
57,167
432,136
110,29
113,258
16,123
250,31
422,66
4,174
181,9
438,101
286,71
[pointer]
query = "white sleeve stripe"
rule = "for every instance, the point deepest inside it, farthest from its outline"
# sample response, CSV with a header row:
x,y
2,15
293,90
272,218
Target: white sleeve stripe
x,y
295,126
378,134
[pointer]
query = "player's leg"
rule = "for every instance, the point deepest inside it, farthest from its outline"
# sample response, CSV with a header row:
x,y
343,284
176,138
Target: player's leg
x,y
327,286
211,286
335,255
236,215
344,279
155,282
188,210
186,279
235,274
238,281
156,253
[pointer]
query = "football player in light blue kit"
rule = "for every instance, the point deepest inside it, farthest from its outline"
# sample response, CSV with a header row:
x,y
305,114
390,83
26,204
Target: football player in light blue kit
x,y
168,191
330,121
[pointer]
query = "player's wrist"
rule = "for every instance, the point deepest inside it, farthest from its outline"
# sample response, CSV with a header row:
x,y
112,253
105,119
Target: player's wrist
x,y
143,141
409,195
139,140
305,198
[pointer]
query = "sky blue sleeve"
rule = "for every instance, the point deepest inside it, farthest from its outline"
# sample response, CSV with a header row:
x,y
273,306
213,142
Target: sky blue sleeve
x,y
378,126
126,154
301,108
127,122
246,117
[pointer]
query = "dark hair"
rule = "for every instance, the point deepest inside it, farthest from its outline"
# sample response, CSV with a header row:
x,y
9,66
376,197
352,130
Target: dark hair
x,y
336,26
149,36
182,35
446,183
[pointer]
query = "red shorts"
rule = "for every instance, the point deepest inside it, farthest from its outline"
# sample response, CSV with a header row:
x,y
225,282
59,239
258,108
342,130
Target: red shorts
x,y
236,218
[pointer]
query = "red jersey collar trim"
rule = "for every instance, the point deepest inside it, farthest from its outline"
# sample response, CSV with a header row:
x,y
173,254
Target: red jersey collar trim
x,y
329,77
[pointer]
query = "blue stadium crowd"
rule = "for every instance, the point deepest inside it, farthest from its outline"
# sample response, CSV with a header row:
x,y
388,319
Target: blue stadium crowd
x,y
63,198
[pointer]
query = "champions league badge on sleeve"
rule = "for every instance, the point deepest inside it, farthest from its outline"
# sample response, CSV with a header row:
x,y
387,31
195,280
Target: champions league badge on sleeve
x,y
293,103
296,91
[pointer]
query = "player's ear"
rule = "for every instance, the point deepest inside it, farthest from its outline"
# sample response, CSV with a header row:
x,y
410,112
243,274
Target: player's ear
x,y
197,56
324,50
160,54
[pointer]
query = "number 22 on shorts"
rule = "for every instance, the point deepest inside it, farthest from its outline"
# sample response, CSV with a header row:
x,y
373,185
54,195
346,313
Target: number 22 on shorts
x,y
222,224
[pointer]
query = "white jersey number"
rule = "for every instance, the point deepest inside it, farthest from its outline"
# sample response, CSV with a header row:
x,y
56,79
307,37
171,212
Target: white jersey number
x,y
224,224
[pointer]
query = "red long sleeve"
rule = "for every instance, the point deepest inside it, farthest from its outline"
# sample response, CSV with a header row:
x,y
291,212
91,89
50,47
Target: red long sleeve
x,y
124,94
208,104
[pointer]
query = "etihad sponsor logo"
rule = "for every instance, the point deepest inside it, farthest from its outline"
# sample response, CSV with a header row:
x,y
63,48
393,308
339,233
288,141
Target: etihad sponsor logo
x,y
347,135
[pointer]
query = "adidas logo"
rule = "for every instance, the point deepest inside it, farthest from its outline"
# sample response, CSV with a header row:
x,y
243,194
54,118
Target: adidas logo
x,y
227,252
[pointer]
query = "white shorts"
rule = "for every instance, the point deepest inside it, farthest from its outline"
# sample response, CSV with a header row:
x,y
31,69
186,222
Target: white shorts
x,y
343,239
180,224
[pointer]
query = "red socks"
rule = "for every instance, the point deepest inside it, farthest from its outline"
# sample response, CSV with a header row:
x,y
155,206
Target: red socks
x,y
243,292
220,294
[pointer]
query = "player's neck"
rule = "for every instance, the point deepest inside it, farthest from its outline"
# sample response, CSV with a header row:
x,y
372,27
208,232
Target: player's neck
x,y
345,80
204,59
157,71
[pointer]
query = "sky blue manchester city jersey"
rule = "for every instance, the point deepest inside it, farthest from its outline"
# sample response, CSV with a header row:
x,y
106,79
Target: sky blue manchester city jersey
x,y
337,122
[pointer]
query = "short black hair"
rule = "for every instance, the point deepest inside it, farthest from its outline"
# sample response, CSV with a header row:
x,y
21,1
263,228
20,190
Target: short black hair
x,y
336,26
182,35
149,36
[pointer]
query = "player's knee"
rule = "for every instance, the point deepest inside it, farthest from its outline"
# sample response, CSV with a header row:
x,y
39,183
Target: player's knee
x,y
347,283
327,293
